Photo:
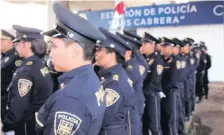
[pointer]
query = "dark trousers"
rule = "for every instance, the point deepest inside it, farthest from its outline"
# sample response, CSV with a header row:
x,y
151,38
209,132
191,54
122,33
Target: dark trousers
x,y
170,114
192,84
187,98
206,89
3,106
134,122
181,109
199,86
153,113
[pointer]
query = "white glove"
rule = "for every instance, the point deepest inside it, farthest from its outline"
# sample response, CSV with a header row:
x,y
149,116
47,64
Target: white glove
x,y
10,133
162,95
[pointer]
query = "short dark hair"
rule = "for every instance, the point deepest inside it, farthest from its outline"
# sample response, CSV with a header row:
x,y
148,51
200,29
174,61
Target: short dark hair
x,y
119,58
88,49
38,47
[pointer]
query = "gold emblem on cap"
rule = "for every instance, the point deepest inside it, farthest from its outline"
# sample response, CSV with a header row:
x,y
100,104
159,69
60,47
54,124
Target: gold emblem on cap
x,y
112,45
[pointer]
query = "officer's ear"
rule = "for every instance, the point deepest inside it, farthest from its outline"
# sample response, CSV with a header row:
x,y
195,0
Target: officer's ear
x,y
76,49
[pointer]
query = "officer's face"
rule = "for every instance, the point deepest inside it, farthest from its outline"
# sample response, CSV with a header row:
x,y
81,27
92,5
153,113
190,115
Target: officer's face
x,y
167,50
103,58
60,54
127,55
21,48
148,48
186,49
5,45
176,50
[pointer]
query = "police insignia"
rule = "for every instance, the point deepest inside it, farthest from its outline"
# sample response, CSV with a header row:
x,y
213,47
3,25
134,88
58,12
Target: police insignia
x,y
44,71
198,55
192,61
159,69
111,96
29,63
130,67
6,59
169,61
18,63
100,96
66,123
141,69
178,64
183,64
62,85
151,61
116,77
205,61
130,82
24,86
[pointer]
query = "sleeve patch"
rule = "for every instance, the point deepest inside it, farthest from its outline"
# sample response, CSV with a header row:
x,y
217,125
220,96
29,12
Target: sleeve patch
x,y
100,96
141,69
178,64
66,123
18,63
151,61
44,71
115,77
111,96
192,61
159,69
183,64
24,86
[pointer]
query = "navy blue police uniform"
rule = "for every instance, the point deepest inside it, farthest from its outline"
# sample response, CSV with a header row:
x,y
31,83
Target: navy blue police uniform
x,y
9,62
78,107
133,71
152,88
200,75
208,66
196,55
180,102
30,87
189,72
170,114
142,67
120,96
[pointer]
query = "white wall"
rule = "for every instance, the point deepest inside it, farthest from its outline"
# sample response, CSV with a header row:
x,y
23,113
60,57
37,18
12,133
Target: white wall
x,y
213,35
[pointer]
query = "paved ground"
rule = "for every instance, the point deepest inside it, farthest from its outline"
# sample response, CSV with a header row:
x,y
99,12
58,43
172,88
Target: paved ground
x,y
208,118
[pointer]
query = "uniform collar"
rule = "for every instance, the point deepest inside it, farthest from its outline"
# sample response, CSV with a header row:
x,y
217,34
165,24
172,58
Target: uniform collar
x,y
151,55
112,70
9,52
31,58
75,72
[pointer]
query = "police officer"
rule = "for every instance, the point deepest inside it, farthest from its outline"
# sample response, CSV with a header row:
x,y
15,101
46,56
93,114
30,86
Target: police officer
x,y
78,107
152,84
120,96
208,66
9,62
31,84
170,85
134,73
181,110
136,41
200,75
189,71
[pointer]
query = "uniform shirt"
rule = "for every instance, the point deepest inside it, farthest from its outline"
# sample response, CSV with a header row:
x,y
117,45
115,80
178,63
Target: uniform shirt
x,y
191,65
143,66
9,62
133,72
120,96
153,79
208,66
77,108
171,73
30,87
